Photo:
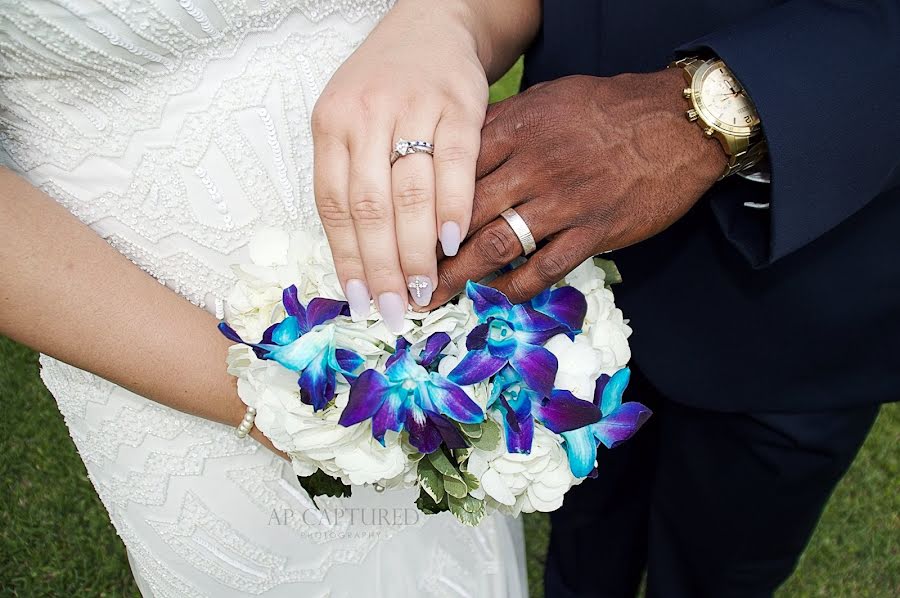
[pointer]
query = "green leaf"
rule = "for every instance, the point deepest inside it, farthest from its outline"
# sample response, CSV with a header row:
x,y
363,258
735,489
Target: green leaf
x,y
471,481
455,488
472,504
429,506
490,436
430,480
613,276
412,453
443,464
471,430
322,484
468,510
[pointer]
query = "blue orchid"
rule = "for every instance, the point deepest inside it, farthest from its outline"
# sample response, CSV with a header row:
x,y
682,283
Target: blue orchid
x,y
560,412
508,335
566,305
410,395
618,422
304,343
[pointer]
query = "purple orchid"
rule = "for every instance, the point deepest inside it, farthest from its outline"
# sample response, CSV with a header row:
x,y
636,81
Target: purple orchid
x,y
410,395
560,412
566,305
303,343
508,334
618,422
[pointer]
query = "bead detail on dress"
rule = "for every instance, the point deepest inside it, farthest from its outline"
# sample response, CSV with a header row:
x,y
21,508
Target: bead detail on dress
x,y
174,129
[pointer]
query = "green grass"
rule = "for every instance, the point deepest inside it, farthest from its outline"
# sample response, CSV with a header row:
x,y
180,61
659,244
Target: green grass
x,y
855,551
509,84
55,538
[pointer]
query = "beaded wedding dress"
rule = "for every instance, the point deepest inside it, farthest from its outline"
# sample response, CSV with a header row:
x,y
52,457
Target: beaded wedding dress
x,y
174,128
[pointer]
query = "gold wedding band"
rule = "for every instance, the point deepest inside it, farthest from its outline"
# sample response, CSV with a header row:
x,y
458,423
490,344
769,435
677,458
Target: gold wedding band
x,y
520,228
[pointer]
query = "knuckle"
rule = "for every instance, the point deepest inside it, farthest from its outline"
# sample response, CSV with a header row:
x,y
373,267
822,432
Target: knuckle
x,y
375,102
380,276
496,245
319,121
467,102
603,220
349,264
475,112
455,203
336,112
412,195
550,267
332,211
370,208
323,115
415,254
454,155
447,279
517,290
416,262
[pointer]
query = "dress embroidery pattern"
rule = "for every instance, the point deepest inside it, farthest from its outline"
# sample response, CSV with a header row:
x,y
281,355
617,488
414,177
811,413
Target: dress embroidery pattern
x,y
174,128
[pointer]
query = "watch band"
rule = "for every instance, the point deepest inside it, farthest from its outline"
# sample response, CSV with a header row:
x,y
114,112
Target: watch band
x,y
689,63
750,157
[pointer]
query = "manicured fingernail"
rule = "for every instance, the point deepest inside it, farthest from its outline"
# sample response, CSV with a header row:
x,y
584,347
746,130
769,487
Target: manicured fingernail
x,y
358,298
392,306
420,289
450,237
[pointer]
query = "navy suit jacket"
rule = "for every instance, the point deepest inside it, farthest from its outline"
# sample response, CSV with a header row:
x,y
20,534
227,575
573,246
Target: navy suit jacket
x,y
795,307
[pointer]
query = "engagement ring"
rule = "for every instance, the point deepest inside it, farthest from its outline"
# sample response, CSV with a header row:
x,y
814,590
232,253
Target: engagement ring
x,y
405,148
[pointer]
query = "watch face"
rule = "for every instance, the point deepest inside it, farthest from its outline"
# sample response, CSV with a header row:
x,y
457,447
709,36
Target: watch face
x,y
722,100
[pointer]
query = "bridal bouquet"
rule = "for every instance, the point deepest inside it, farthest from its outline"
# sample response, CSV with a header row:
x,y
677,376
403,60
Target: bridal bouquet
x,y
483,405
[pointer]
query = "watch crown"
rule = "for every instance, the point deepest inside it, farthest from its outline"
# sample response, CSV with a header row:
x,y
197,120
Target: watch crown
x,y
688,92
692,115
709,131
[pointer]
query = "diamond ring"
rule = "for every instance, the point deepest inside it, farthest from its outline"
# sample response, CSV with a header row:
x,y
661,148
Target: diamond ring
x,y
405,148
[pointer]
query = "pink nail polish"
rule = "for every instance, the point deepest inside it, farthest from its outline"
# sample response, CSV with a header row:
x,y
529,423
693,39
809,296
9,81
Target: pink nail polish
x,y
358,297
450,237
392,308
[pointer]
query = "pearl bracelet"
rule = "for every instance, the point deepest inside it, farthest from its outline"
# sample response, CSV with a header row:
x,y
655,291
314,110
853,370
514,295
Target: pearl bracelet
x,y
247,423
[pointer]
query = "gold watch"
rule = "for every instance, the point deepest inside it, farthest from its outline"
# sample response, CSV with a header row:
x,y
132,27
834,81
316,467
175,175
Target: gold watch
x,y
722,108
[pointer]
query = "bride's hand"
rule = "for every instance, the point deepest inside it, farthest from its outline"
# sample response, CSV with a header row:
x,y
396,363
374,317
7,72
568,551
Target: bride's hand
x,y
417,76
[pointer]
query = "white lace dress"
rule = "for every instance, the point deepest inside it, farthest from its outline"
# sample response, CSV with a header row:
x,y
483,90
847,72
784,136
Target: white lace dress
x,y
174,128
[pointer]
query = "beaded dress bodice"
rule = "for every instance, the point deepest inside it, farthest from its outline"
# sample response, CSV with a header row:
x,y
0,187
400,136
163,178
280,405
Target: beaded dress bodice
x,y
174,128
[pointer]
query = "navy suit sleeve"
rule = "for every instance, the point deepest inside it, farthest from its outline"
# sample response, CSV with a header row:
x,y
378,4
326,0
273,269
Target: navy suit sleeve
x,y
825,77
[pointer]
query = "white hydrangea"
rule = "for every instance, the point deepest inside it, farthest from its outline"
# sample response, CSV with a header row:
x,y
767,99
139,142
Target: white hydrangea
x,y
279,259
314,440
516,483
604,325
511,483
580,364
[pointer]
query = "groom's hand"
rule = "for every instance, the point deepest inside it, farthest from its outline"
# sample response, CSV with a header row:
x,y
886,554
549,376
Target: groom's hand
x,y
591,164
